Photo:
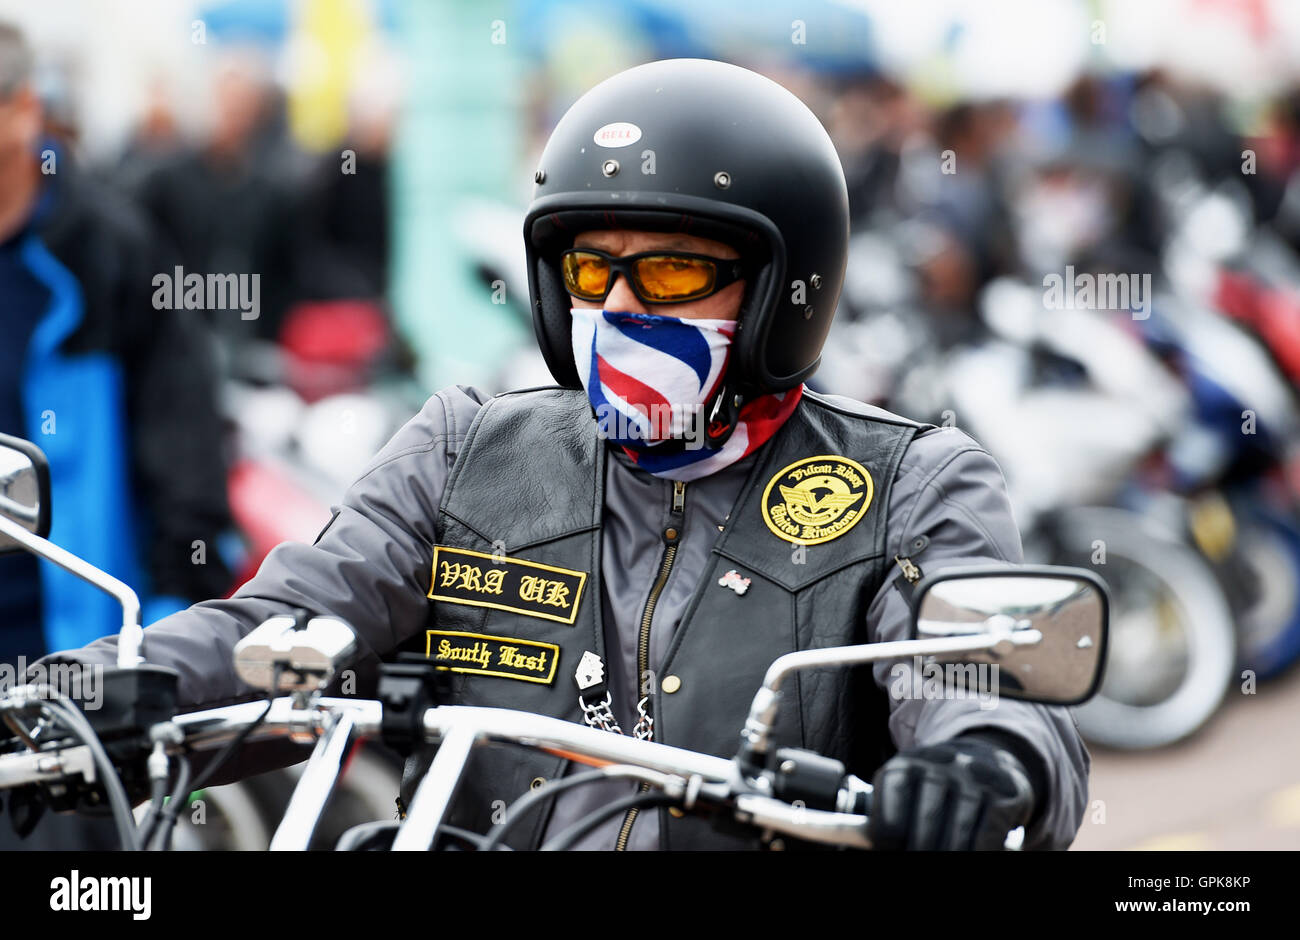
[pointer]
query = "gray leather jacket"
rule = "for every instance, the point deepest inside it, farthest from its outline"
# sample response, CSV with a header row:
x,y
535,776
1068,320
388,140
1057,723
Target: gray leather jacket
x,y
370,568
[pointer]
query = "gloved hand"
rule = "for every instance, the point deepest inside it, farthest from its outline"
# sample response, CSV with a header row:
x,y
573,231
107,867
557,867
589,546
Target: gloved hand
x,y
963,794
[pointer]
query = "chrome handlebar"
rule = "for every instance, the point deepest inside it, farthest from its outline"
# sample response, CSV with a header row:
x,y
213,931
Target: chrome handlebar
x,y
333,723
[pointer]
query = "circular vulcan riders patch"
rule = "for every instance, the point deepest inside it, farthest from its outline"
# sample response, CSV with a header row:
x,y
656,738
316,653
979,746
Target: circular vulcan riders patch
x,y
817,499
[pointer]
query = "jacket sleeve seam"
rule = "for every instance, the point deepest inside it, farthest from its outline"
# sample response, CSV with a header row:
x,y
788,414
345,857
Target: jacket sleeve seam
x,y
427,446
929,482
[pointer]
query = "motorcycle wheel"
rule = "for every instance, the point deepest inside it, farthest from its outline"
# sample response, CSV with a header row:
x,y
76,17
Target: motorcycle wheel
x,y
243,816
1269,627
1172,647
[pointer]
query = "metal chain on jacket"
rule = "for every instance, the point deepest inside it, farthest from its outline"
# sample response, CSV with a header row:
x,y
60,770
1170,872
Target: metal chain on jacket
x,y
599,716
591,675
645,726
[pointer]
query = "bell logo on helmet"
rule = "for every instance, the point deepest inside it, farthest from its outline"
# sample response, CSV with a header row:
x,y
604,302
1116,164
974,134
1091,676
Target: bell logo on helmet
x,y
618,134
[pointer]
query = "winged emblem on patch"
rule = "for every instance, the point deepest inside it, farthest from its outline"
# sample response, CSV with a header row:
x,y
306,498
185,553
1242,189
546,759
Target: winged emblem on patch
x,y
817,499
810,507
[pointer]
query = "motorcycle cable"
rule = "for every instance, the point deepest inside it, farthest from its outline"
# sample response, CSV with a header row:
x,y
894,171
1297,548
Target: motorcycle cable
x,y
157,794
566,839
67,713
532,798
233,744
161,840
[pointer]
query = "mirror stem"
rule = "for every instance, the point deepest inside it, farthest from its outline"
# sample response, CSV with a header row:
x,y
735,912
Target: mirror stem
x,y
132,634
763,711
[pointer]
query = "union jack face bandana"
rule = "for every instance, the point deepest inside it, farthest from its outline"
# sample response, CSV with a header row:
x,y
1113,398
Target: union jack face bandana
x,y
649,377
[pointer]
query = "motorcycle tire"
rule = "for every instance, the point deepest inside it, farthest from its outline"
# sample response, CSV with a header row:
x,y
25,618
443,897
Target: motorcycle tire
x,y
1269,627
243,816
1172,654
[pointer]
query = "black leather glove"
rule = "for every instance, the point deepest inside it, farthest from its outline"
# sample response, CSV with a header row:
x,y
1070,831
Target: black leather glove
x,y
963,794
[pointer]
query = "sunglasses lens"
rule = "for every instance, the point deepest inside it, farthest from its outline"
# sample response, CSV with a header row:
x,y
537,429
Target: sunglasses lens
x,y
672,278
585,275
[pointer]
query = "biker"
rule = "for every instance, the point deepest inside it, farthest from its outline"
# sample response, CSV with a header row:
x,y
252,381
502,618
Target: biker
x,y
634,546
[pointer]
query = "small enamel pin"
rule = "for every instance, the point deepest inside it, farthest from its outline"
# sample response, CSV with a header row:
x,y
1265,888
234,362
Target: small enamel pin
x,y
590,671
733,580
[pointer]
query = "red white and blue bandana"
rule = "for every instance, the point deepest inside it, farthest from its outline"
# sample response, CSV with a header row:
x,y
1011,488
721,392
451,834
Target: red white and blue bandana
x,y
649,377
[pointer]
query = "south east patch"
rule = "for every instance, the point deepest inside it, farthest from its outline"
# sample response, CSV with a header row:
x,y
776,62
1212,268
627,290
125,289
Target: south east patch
x,y
502,656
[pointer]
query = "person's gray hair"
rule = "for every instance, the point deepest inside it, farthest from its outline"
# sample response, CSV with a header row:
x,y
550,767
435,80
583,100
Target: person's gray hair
x,y
16,60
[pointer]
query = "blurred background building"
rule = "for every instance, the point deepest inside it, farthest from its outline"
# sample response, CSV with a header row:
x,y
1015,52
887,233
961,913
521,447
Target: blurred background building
x,y
1076,235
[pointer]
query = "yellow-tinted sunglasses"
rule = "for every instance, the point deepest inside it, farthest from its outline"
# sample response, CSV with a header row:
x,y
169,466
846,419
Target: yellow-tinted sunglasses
x,y
657,277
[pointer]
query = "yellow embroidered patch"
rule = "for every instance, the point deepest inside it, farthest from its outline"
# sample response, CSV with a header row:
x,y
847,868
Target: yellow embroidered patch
x,y
503,656
461,576
817,499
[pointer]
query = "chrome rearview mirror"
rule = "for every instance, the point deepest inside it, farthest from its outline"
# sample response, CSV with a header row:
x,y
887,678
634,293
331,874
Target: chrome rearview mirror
x,y
25,526
1051,623
1032,632
24,489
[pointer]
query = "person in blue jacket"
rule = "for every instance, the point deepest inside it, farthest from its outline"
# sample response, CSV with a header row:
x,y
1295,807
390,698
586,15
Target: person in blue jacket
x,y
120,396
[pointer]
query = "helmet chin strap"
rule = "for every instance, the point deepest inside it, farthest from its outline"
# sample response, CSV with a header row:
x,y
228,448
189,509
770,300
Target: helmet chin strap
x,y
723,413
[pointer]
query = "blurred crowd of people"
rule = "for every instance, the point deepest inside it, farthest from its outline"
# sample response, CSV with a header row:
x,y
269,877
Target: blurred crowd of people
x,y
976,190
127,403
244,197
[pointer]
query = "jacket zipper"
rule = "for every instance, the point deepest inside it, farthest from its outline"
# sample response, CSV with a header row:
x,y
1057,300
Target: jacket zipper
x,y
671,536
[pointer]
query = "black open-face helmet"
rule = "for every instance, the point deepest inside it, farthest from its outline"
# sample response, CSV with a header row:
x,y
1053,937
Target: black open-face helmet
x,y
709,149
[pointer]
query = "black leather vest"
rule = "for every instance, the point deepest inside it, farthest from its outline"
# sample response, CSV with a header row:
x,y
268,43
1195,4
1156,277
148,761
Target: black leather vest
x,y
524,499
